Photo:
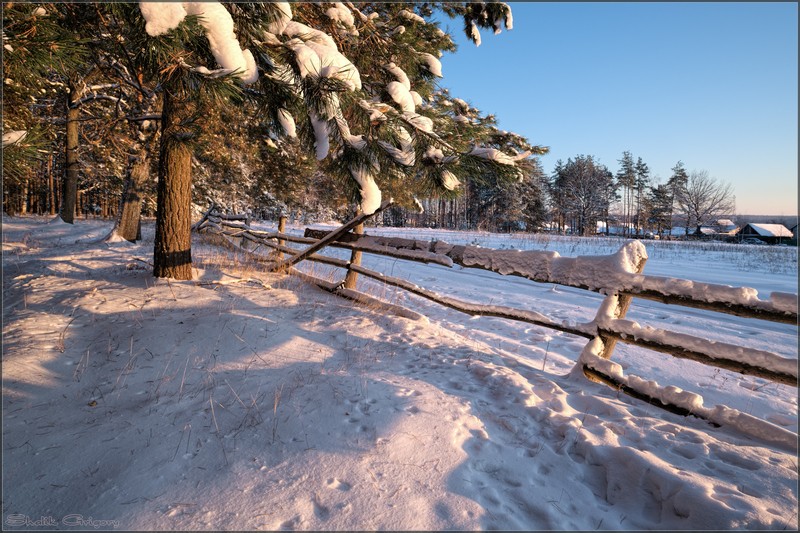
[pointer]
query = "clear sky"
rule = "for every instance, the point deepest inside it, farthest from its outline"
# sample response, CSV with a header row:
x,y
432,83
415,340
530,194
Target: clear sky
x,y
711,84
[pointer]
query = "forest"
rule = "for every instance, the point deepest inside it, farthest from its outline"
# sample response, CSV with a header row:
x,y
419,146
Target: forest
x,y
115,109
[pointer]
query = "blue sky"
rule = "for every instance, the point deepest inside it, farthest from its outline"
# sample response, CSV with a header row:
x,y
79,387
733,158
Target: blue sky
x,y
711,84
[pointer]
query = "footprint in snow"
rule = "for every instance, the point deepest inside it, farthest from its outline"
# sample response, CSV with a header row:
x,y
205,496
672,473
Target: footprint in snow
x,y
781,420
320,511
338,484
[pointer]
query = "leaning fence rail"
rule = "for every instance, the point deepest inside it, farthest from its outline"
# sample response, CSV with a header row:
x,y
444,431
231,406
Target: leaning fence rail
x,y
618,276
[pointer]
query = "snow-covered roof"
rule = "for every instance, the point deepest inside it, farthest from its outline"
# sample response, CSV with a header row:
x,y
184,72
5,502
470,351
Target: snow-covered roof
x,y
725,222
771,230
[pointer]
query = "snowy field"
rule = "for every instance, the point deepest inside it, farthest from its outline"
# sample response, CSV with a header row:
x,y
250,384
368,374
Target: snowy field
x,y
244,400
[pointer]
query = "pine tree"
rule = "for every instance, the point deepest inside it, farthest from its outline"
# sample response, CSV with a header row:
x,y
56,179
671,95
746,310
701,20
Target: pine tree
x,y
353,85
661,209
581,186
626,179
37,48
676,184
642,183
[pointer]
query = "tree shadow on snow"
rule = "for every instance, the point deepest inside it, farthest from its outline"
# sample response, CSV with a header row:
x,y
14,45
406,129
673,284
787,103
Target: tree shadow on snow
x,y
207,391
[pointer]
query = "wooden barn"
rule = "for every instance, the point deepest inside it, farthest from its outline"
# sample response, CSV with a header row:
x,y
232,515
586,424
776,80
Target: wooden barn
x,y
768,233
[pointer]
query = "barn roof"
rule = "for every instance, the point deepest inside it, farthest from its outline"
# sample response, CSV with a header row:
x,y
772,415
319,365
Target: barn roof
x,y
771,230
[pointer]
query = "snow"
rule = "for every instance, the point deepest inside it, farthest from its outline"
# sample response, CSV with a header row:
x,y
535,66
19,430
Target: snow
x,y
432,64
409,15
449,180
496,155
340,13
434,154
244,400
404,154
306,41
322,142
401,95
509,18
308,62
13,137
771,230
400,74
476,34
418,121
162,17
370,193
287,123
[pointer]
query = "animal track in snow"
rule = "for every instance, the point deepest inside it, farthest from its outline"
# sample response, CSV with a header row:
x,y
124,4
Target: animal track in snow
x,y
338,484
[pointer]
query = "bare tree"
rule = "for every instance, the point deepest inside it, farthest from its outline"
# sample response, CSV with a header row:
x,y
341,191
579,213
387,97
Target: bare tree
x,y
703,198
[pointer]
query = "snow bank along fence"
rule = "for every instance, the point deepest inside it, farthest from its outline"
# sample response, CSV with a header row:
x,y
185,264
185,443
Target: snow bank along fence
x,y
618,276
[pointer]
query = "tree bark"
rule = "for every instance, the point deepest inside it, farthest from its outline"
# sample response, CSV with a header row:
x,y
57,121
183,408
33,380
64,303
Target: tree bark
x,y
23,204
51,189
130,208
351,278
172,256
69,194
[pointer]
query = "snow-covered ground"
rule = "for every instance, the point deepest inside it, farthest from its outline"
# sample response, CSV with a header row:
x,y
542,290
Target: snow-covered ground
x,y
244,400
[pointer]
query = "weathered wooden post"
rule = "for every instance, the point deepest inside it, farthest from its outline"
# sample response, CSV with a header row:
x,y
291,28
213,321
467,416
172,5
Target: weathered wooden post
x,y
355,259
281,229
623,301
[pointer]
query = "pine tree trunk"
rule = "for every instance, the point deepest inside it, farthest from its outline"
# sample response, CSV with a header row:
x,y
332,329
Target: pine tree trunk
x,y
351,278
172,257
51,189
130,208
70,184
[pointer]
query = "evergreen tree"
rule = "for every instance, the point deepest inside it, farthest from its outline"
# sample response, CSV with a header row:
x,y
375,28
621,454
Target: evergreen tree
x,y
353,85
36,47
642,183
582,186
312,88
661,209
626,180
676,184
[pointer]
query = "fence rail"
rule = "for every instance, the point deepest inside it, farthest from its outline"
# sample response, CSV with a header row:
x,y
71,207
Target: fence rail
x,y
618,276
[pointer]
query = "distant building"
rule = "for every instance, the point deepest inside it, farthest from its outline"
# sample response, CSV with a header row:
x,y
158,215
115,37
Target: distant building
x,y
769,233
726,226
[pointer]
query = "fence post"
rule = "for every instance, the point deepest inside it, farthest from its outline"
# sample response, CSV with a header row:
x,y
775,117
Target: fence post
x,y
632,257
622,302
281,229
355,259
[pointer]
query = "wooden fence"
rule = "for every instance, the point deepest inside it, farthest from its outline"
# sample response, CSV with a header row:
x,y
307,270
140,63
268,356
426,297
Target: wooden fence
x,y
618,276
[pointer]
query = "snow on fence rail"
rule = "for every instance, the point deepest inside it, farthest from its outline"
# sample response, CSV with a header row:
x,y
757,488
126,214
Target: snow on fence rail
x,y
618,276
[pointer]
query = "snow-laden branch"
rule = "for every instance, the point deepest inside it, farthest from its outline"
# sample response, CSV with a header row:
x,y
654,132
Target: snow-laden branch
x,y
13,137
161,17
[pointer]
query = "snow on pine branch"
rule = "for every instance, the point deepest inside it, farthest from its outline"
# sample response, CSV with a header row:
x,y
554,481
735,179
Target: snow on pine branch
x,y
161,17
13,137
493,154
